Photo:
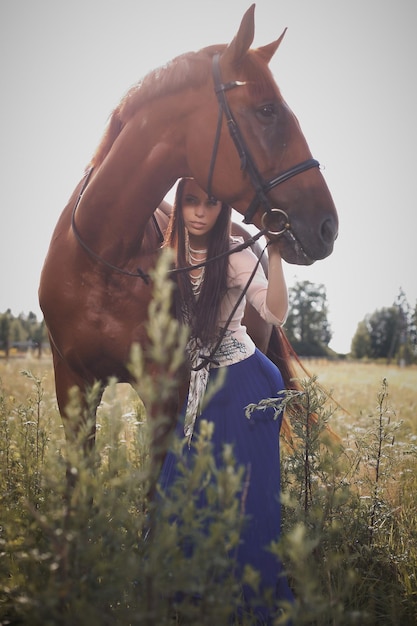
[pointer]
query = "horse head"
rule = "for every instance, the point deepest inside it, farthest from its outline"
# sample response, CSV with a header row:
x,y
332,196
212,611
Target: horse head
x,y
260,162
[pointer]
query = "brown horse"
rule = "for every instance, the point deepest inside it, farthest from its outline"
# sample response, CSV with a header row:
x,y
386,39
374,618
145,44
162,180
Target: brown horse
x,y
91,293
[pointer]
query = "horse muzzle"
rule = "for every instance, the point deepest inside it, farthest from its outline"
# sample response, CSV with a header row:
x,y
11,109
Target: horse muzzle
x,y
276,225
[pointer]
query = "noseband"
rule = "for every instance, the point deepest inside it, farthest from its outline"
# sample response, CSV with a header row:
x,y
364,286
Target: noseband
x,y
247,163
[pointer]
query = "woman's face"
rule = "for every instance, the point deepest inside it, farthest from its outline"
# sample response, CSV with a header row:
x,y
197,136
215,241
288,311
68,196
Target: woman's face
x,y
199,214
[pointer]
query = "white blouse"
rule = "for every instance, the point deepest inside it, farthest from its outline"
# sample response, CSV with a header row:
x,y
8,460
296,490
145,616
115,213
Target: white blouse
x,y
237,344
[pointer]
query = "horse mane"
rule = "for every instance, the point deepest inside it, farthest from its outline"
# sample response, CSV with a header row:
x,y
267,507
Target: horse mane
x,y
190,69
186,70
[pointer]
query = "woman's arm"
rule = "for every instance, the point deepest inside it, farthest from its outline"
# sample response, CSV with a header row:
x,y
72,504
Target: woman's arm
x,y
268,297
277,293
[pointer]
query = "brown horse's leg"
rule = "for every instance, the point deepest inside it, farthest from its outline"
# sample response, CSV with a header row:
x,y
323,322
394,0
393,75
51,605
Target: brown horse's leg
x,y
163,409
78,415
77,403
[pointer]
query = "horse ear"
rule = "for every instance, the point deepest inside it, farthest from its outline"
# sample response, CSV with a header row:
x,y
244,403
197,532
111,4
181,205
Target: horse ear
x,y
242,41
267,52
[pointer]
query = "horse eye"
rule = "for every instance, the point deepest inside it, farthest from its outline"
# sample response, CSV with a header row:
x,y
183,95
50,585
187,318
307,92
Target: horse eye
x,y
267,110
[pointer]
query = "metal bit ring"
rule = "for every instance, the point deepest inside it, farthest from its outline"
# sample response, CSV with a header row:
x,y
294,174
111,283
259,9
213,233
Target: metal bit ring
x,y
282,219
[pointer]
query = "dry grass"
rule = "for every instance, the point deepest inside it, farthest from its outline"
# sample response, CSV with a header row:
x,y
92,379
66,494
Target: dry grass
x,y
355,386
10,373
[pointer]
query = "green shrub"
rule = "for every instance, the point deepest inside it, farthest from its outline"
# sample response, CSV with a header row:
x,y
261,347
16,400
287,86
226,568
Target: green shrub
x,y
82,543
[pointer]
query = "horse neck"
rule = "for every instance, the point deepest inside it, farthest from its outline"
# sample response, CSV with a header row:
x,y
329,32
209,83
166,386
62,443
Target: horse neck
x,y
144,162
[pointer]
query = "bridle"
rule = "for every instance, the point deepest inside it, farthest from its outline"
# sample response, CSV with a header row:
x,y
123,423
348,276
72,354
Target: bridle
x,y
247,163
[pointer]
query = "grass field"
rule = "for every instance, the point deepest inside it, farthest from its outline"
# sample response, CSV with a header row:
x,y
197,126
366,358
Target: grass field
x,y
350,511
353,385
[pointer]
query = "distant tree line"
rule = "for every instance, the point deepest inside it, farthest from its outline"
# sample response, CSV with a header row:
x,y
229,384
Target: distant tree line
x,y
21,333
307,327
389,333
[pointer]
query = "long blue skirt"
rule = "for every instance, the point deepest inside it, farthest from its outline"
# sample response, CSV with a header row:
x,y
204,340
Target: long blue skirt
x,y
255,444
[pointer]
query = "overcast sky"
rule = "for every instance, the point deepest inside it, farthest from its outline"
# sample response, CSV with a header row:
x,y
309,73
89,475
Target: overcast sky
x,y
347,68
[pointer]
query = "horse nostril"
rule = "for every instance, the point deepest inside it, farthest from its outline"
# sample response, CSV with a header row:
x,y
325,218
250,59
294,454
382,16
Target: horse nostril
x,y
328,231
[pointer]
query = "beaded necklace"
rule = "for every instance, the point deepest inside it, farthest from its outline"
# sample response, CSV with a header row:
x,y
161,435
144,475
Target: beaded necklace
x,y
195,257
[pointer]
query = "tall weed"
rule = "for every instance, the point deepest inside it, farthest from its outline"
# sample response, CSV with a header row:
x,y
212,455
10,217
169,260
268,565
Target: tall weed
x,y
97,550
350,557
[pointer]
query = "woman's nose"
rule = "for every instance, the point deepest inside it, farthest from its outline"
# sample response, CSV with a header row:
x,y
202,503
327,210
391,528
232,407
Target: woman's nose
x,y
199,210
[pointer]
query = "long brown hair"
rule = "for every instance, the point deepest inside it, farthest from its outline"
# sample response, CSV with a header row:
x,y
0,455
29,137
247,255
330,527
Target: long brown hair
x,y
201,314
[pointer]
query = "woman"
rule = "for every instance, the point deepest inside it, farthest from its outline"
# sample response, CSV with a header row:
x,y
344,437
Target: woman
x,y
211,300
